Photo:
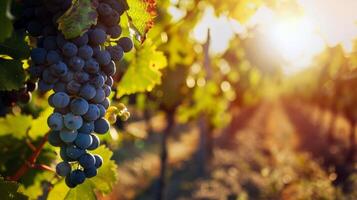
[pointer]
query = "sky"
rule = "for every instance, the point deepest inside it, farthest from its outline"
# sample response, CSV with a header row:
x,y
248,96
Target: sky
x,y
298,39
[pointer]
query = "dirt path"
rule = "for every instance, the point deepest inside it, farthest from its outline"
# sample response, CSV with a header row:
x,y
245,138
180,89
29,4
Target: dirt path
x,y
262,161
263,155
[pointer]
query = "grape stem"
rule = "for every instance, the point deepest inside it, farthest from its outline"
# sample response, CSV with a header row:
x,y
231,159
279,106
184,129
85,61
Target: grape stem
x,y
31,162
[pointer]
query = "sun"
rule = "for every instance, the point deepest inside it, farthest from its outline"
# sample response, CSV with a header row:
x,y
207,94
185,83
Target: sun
x,y
297,40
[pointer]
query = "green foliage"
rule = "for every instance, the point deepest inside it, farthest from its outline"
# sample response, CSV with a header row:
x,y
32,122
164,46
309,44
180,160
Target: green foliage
x,y
144,70
102,183
15,47
21,125
80,17
12,74
5,20
207,100
9,190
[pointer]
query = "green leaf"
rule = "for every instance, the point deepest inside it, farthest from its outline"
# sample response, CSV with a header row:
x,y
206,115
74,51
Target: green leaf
x,y
59,191
5,20
39,126
79,18
139,17
84,191
102,183
15,47
144,71
17,125
9,190
12,76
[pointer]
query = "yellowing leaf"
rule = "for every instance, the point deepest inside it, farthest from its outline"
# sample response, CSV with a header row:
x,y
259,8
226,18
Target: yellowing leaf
x,y
144,71
140,18
80,17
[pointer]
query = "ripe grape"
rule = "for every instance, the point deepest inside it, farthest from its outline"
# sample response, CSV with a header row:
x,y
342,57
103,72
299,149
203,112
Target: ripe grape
x,y
79,106
72,122
90,172
125,43
103,57
98,161
55,121
101,126
60,100
97,36
53,57
87,91
81,40
63,168
87,160
85,52
95,143
93,113
68,136
54,138
83,141
76,63
74,152
87,127
69,49
38,55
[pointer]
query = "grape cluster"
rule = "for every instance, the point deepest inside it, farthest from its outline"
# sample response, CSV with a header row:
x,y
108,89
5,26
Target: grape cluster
x,y
79,71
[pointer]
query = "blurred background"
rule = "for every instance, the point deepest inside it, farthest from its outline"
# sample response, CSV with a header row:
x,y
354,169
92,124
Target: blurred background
x,y
258,101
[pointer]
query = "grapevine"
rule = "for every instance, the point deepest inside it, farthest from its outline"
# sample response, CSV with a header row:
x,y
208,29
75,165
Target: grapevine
x,y
79,71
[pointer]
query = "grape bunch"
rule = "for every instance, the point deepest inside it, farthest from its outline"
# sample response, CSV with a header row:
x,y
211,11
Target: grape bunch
x,y
79,71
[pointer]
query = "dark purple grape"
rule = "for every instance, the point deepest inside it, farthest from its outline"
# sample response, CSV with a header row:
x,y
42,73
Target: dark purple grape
x,y
97,36
73,87
116,52
91,66
69,49
81,77
82,40
109,81
52,57
85,52
114,31
103,57
126,43
38,55
109,69
112,19
76,63
104,9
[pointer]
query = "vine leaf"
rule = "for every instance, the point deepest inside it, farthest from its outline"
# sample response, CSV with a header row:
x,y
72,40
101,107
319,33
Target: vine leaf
x,y
141,16
9,190
39,125
15,47
5,20
144,71
15,124
77,19
18,125
102,183
12,74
